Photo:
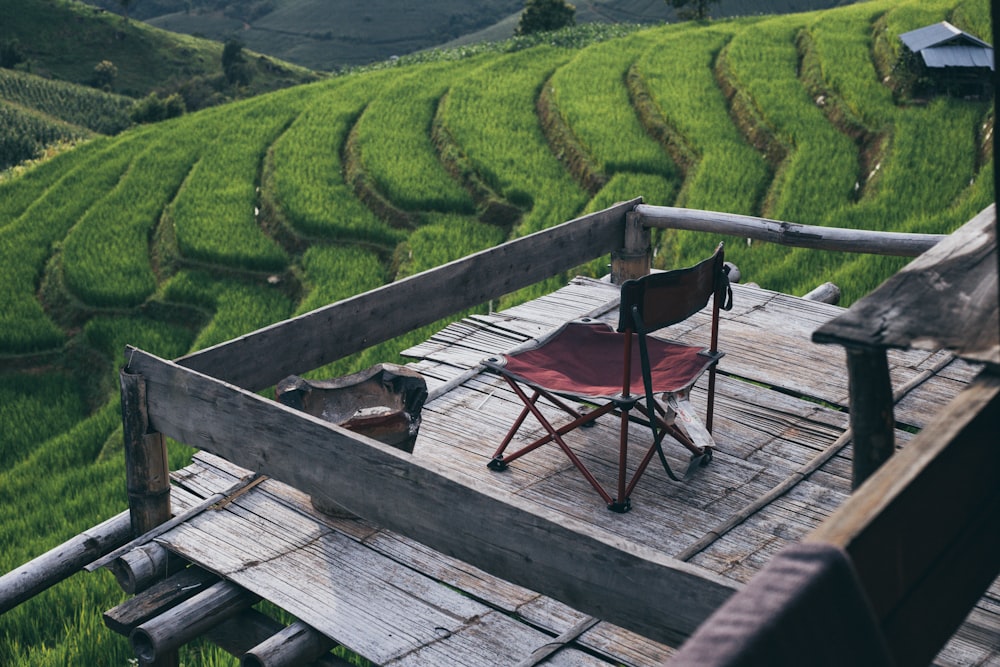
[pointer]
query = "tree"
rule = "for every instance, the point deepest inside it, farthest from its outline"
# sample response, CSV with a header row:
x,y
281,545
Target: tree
x,y
545,15
11,53
691,9
234,65
105,73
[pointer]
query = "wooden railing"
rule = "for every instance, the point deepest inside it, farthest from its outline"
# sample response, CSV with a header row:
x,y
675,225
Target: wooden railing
x,y
208,401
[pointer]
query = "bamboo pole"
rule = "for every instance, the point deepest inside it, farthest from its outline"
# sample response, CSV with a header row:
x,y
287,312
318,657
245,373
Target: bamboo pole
x,y
138,569
633,259
825,293
788,233
147,472
62,561
296,644
164,634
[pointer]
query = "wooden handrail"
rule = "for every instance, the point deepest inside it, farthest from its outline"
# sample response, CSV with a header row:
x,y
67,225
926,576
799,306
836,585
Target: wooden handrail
x,y
788,233
332,332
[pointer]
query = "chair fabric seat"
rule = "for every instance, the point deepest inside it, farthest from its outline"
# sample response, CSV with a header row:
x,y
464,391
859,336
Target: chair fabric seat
x,y
585,359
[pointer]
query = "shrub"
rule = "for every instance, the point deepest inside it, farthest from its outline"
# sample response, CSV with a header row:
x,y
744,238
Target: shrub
x,y
545,16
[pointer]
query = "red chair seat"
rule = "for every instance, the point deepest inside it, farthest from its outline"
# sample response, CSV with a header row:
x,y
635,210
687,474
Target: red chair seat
x,y
585,359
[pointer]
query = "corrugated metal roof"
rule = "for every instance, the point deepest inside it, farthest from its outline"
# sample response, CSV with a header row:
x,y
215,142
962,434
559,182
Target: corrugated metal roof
x,y
958,56
944,45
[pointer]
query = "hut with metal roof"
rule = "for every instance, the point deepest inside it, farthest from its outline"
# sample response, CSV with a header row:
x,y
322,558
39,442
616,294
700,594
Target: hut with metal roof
x,y
943,58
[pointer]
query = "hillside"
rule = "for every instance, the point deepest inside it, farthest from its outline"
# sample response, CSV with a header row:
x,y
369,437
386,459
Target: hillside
x,y
65,40
182,234
326,37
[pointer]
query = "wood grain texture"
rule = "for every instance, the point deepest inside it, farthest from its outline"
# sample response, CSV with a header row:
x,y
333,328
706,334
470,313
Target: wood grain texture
x,y
522,543
324,335
945,299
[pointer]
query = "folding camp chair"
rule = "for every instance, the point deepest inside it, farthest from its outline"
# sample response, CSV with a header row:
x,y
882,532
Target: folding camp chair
x,y
620,369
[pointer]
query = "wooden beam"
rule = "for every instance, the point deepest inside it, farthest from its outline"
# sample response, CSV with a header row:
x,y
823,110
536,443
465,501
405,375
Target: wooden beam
x,y
788,233
872,420
592,570
324,335
147,473
923,531
945,299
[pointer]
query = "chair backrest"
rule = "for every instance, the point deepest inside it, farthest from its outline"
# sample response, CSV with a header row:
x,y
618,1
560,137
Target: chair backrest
x,y
669,297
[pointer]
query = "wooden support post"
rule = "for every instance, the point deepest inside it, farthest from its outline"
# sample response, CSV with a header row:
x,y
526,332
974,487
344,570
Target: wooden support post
x,y
633,260
295,645
871,405
147,473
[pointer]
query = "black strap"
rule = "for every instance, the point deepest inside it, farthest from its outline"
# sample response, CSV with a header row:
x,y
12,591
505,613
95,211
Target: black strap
x,y
647,381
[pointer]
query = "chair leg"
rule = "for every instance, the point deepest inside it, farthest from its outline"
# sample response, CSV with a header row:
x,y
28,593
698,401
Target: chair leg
x,y
500,462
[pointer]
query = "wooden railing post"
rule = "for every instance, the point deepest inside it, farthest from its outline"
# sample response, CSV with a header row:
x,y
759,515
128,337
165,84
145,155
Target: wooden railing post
x,y
871,405
633,260
147,472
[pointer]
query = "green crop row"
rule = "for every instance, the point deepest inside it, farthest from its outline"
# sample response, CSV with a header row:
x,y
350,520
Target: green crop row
x,y
95,110
590,94
333,273
17,194
444,239
820,166
236,307
304,170
841,43
215,213
396,148
490,114
26,242
25,134
723,171
33,408
106,256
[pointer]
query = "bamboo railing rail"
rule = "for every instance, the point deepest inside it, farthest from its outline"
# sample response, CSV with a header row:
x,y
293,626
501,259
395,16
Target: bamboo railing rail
x,y
788,233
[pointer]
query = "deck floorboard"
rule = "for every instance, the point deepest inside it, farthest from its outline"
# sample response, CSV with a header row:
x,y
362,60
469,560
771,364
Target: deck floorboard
x,y
780,422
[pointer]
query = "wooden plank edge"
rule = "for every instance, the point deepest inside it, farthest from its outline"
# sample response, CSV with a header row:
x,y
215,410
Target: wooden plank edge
x,y
911,527
354,324
592,570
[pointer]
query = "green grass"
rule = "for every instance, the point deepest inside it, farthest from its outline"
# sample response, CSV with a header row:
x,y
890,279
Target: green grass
x,y
490,113
397,152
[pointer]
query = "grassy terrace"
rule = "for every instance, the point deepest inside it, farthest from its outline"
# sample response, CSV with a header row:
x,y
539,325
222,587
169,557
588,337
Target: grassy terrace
x,y
180,235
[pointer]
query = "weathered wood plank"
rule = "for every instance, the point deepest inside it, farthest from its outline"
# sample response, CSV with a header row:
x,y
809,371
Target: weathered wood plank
x,y
502,535
158,598
324,335
945,480
945,299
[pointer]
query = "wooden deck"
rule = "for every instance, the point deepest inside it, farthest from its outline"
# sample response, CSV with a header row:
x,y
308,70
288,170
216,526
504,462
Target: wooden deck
x,y
782,467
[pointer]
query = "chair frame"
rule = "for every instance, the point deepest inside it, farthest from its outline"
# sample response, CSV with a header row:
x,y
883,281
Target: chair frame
x,y
642,311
